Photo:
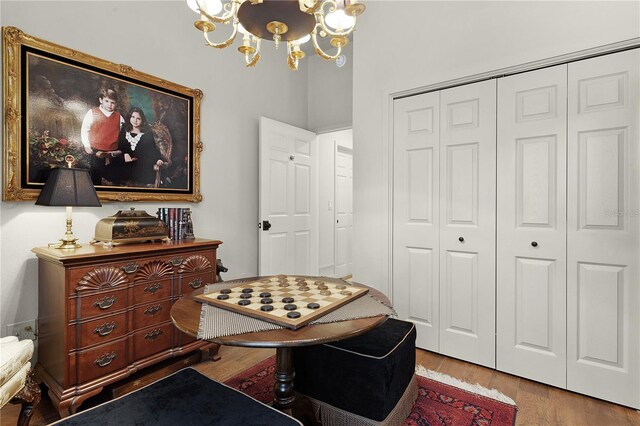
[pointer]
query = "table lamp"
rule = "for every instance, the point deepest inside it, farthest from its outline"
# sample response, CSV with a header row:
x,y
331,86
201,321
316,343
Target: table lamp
x,y
68,187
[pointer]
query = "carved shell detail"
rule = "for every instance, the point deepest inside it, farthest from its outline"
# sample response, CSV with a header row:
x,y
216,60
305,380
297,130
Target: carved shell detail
x,y
102,277
195,263
154,269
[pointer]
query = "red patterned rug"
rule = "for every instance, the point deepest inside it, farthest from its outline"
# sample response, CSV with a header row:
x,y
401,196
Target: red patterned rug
x,y
438,403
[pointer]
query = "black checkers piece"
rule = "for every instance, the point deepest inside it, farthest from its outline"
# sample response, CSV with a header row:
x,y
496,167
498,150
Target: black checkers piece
x,y
247,290
313,305
266,301
266,308
223,297
225,291
293,315
290,307
244,302
265,294
246,296
287,300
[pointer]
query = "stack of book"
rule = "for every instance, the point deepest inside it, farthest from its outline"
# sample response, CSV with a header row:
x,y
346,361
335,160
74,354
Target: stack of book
x,y
178,221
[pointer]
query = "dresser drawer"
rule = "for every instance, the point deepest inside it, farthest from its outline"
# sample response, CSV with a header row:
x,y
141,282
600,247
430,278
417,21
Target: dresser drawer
x,y
101,360
152,340
150,291
190,282
101,330
103,303
151,314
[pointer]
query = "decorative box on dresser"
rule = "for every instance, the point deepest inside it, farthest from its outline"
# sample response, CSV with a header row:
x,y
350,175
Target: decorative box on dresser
x,y
104,312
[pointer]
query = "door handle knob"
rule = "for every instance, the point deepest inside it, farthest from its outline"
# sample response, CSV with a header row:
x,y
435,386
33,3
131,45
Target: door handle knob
x,y
534,244
461,239
266,225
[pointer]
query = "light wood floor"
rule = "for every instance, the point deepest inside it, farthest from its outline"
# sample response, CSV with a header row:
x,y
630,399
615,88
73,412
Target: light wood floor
x,y
538,404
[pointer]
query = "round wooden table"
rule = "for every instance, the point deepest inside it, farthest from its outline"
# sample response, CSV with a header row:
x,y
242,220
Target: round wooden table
x,y
185,315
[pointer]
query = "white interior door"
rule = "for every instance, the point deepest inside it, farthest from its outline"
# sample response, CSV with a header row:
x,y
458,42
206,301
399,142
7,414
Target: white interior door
x,y
531,247
288,200
467,222
416,273
603,280
343,212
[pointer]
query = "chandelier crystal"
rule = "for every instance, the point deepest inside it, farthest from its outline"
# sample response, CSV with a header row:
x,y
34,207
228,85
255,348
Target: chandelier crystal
x,y
293,22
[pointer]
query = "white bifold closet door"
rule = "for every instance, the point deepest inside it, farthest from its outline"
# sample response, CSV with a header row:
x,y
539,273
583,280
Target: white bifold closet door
x,y
444,219
531,246
416,224
468,222
603,222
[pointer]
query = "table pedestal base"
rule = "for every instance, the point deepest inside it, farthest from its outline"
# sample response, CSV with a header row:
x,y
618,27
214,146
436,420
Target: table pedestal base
x,y
283,389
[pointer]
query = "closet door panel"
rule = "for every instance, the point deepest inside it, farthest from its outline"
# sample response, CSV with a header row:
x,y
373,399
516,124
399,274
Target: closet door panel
x,y
603,280
531,246
467,222
416,268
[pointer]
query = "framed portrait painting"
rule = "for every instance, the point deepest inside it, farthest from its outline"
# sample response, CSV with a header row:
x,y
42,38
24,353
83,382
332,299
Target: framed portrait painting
x,y
138,135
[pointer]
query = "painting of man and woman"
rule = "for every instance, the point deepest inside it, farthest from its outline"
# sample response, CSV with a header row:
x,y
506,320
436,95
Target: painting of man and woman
x,y
129,135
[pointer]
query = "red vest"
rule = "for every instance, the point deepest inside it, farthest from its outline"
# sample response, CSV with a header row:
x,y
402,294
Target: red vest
x,y
103,134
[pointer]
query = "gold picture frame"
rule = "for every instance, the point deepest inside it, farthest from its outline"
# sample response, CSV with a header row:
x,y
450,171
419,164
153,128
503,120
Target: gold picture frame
x,y
48,89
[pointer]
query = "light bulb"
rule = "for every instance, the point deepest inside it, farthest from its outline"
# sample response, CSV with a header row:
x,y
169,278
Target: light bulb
x,y
210,7
302,40
338,20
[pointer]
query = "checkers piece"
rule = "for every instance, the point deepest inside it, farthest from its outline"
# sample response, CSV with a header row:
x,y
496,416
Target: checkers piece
x,y
340,286
304,288
283,284
225,291
322,287
282,276
325,292
299,279
290,307
319,282
223,296
265,294
345,292
287,300
246,296
247,290
293,314
266,301
266,308
313,305
244,302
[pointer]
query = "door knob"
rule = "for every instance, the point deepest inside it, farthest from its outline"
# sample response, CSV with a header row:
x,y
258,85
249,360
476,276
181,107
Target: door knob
x,y
266,225
461,239
534,244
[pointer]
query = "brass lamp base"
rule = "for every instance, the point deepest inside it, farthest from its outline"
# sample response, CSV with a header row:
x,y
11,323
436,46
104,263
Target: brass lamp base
x,y
65,244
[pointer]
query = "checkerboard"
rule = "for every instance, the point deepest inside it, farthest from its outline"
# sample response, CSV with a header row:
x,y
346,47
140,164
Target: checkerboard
x,y
290,301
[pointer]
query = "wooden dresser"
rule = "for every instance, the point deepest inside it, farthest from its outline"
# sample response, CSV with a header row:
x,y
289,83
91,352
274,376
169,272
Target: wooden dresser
x,y
104,312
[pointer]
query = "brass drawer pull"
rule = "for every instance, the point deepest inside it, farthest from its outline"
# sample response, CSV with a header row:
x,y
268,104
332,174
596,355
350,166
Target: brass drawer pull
x,y
105,359
196,283
105,329
152,310
153,335
106,302
176,261
131,267
152,288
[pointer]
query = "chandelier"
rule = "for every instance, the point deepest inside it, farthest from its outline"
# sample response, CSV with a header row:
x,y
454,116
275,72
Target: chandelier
x,y
292,21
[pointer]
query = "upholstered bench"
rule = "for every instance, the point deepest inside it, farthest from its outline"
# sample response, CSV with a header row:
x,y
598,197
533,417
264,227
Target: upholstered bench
x,y
16,376
364,380
183,398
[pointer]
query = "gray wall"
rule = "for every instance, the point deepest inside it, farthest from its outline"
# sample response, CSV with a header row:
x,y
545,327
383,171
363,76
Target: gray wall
x,y
428,42
157,37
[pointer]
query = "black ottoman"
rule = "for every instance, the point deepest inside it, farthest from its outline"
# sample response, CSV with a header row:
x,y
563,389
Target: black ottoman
x,y
368,379
184,398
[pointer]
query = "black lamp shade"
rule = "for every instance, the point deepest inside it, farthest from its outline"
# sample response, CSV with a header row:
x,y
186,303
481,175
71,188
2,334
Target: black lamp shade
x,y
69,187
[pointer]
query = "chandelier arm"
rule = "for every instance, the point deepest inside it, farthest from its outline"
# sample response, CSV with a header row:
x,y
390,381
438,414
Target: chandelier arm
x,y
225,43
320,21
255,57
320,52
231,9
